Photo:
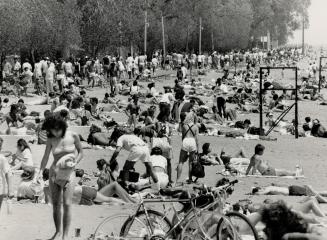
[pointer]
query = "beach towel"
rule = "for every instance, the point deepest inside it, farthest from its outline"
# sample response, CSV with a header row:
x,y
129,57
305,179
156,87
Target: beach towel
x,y
64,169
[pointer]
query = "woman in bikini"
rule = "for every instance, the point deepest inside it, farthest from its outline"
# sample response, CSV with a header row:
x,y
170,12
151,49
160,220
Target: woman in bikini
x,y
67,153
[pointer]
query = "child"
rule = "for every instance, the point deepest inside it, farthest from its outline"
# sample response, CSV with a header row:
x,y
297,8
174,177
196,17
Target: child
x,y
106,98
307,126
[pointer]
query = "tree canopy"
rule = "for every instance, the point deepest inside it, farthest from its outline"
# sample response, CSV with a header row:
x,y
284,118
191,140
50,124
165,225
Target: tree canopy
x,y
98,26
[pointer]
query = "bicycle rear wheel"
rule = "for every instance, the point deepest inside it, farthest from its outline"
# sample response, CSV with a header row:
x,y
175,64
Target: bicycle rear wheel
x,y
111,228
160,224
202,227
243,228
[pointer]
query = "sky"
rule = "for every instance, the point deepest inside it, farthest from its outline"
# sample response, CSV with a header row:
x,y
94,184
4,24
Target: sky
x,y
316,34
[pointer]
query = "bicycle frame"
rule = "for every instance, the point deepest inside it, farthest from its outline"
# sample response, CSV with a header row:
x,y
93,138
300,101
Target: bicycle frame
x,y
191,214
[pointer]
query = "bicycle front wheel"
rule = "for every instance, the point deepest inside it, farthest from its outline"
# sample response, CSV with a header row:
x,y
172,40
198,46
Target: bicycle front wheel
x,y
112,228
241,229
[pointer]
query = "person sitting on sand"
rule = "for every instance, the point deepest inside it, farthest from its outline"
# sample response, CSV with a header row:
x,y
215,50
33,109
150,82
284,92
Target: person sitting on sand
x,y
262,166
23,156
307,126
292,190
13,117
159,165
28,188
318,130
207,158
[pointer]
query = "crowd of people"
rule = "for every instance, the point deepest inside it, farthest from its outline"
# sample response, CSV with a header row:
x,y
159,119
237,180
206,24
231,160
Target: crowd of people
x,y
191,107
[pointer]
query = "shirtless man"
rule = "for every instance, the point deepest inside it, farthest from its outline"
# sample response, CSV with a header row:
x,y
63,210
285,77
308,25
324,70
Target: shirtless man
x,y
64,145
262,166
292,190
190,145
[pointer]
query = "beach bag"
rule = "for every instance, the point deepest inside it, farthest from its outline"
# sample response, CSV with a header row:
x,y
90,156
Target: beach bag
x,y
197,169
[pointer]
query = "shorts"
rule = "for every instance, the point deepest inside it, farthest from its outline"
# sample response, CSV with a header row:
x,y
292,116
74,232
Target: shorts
x,y
269,172
189,145
163,180
88,195
164,145
239,161
295,190
139,153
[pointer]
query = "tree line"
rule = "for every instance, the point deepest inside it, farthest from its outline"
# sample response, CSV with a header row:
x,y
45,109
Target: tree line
x,y
61,27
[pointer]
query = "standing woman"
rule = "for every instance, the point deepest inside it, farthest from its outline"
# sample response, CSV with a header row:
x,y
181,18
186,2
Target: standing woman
x,y
67,153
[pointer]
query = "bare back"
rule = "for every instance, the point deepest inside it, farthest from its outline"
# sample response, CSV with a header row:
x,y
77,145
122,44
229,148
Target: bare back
x,y
190,131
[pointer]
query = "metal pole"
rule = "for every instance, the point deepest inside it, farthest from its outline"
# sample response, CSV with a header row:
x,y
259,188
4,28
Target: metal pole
x,y
296,108
319,74
303,51
200,35
145,26
212,42
120,39
163,38
261,107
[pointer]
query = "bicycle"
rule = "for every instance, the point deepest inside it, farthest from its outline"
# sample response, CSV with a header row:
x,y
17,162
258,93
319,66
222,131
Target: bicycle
x,y
153,225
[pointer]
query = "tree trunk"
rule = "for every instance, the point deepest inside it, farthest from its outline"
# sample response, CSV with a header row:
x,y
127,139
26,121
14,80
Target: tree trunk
x,y
66,50
33,56
187,36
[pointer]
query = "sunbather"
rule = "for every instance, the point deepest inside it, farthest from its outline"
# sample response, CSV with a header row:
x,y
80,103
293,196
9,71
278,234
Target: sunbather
x,y
262,166
292,190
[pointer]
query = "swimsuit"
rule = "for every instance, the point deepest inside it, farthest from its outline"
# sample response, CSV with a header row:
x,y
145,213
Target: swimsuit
x,y
88,195
295,190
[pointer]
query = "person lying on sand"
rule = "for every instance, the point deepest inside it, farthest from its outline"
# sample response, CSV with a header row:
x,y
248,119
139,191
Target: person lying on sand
x,y
286,222
292,190
262,166
238,158
85,195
